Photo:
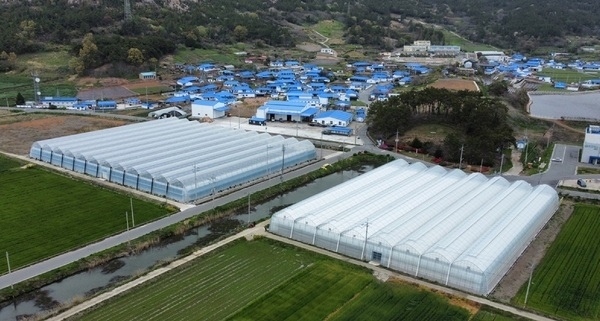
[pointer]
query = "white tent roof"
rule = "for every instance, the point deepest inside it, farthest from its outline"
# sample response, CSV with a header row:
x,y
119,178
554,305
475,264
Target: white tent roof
x,y
469,221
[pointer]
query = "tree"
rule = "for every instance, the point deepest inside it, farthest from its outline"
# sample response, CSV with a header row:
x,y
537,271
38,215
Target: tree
x,y
135,56
498,88
76,64
20,99
3,55
27,30
154,63
240,33
88,52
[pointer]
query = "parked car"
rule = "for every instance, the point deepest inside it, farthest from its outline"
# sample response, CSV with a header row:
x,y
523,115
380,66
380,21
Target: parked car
x,y
581,183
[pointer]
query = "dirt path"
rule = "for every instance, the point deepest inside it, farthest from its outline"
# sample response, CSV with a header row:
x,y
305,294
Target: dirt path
x,y
563,125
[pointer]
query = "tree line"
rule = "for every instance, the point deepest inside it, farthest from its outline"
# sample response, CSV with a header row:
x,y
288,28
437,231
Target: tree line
x,y
480,122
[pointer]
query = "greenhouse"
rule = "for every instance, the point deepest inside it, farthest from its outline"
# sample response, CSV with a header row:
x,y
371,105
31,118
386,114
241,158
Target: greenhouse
x,y
174,158
463,231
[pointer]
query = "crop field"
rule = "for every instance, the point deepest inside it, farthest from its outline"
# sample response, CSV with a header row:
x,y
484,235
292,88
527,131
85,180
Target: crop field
x,y
567,281
45,214
265,280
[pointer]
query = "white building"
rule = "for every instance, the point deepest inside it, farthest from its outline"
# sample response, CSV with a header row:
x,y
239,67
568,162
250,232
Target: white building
x,y
591,145
333,117
328,51
497,56
208,108
462,231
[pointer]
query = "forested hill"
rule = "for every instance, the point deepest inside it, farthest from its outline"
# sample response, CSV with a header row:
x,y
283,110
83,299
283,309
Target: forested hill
x,y
32,25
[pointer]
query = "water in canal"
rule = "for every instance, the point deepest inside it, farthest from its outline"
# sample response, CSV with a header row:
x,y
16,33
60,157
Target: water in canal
x,y
96,279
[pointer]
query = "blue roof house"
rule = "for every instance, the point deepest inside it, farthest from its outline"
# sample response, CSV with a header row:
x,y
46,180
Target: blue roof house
x,y
106,104
61,102
334,117
287,110
209,108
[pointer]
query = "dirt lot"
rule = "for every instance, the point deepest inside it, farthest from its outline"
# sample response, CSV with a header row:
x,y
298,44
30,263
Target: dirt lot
x,y
455,84
248,107
19,131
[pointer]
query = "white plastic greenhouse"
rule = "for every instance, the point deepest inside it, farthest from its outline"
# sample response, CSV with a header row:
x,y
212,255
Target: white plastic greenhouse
x,y
174,158
460,230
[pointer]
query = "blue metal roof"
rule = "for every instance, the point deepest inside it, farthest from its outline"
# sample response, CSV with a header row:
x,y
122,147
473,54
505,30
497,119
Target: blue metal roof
x,y
309,112
336,114
51,99
179,99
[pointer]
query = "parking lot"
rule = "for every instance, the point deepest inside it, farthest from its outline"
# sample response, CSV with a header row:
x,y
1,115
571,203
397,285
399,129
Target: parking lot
x,y
300,130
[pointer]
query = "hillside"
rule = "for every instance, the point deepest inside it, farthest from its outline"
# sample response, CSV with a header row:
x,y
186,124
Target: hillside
x,y
38,25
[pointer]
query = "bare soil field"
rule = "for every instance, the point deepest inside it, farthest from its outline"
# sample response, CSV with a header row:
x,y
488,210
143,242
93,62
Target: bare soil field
x,y
19,132
248,107
116,92
455,84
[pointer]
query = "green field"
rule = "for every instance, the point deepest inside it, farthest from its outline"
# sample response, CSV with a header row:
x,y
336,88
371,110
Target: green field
x,y
151,90
451,39
567,282
45,214
197,56
330,28
567,75
266,280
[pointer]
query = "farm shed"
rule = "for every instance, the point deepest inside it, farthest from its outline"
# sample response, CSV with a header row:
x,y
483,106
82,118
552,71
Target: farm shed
x,y
174,158
333,117
463,231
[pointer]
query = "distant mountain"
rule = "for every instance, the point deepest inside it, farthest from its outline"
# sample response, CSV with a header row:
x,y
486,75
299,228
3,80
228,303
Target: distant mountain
x,y
31,25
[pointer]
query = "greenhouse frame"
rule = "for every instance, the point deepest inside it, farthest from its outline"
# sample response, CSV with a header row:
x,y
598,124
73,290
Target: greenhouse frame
x,y
175,158
463,231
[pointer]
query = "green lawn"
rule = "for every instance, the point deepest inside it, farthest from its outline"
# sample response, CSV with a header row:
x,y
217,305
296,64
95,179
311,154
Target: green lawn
x,y
45,214
566,283
151,90
452,39
567,75
490,314
197,56
265,280
587,170
329,28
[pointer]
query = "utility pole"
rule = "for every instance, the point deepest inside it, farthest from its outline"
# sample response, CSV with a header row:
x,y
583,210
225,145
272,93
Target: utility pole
x,y
363,254
396,140
282,160
8,263
127,219
248,208
132,219
481,166
528,285
462,147
501,162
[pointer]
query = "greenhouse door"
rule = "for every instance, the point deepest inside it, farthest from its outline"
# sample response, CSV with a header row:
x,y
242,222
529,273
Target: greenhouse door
x,y
376,257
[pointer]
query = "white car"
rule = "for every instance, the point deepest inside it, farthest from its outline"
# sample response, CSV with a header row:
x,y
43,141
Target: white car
x,y
557,160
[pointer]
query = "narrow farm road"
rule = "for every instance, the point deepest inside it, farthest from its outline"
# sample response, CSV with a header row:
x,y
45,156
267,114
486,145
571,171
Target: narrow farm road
x,y
259,229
